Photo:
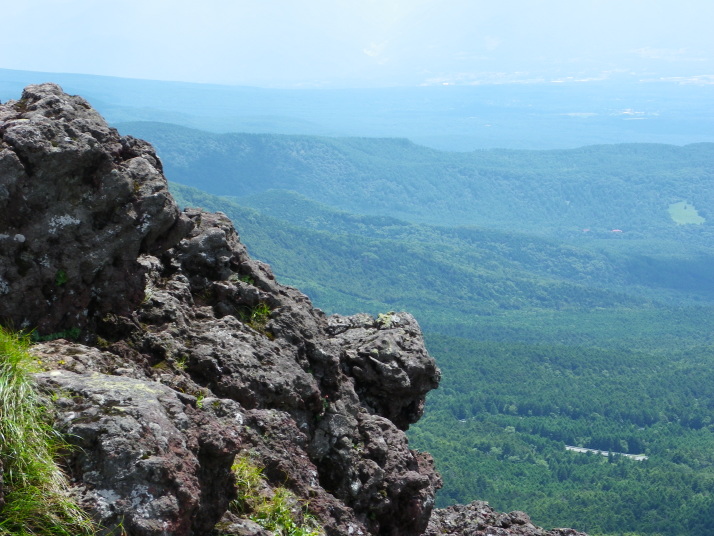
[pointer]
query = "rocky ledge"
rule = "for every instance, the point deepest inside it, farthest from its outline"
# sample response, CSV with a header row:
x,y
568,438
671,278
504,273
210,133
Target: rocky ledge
x,y
186,352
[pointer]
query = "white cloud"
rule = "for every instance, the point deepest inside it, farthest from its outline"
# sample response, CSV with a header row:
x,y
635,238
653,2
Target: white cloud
x,y
491,43
483,78
583,115
375,49
700,80
666,54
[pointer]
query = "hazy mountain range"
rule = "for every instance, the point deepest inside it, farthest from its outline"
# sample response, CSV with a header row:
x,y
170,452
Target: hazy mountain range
x,y
542,115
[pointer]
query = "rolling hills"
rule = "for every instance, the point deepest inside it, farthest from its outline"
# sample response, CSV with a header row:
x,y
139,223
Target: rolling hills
x,y
597,188
457,118
541,345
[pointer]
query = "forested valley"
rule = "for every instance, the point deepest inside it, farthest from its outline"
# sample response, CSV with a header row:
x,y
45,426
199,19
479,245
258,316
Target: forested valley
x,y
549,333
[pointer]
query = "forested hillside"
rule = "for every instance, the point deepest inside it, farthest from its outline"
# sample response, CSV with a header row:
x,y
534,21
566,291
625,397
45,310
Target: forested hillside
x,y
541,344
593,190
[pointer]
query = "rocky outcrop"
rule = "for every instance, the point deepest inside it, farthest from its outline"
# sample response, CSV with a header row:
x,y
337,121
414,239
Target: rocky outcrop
x,y
189,352
79,204
479,519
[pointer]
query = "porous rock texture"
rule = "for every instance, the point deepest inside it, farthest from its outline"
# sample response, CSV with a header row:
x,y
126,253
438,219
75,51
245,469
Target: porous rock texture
x,y
479,519
189,352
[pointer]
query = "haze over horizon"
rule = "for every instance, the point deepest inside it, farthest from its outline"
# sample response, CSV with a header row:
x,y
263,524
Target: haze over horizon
x,y
368,43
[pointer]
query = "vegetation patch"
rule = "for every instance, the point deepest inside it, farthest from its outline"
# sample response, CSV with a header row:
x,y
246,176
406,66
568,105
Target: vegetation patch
x,y
36,500
276,510
256,317
71,334
684,213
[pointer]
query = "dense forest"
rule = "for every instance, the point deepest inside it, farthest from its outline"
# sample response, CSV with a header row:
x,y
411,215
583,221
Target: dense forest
x,y
506,412
542,345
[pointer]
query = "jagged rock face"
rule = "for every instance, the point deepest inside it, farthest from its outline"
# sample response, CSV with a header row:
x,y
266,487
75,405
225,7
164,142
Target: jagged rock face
x,y
479,519
191,351
78,204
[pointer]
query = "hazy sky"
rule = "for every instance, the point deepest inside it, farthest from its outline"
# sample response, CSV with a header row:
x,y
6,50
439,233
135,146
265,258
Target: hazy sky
x,y
350,43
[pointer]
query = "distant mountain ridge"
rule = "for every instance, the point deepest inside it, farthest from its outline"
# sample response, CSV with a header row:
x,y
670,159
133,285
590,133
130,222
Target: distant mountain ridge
x,y
594,189
519,116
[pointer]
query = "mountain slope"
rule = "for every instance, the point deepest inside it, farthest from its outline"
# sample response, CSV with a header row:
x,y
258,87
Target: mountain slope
x,y
630,188
399,263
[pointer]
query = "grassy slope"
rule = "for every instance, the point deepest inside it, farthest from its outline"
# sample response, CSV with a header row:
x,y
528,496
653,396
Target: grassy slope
x,y
35,489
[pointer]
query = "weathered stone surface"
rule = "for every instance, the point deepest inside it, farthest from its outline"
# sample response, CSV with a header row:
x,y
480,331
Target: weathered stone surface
x,y
78,204
479,519
390,365
146,457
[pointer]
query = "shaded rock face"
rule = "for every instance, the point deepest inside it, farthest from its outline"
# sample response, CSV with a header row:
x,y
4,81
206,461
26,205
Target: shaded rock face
x,y
147,457
79,203
190,352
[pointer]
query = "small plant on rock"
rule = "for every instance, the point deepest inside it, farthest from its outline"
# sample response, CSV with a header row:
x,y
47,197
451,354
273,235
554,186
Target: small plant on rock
x,y
256,317
259,316
276,510
60,278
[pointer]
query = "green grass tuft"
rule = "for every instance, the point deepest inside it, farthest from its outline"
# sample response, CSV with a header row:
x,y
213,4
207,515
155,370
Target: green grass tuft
x,y
36,498
259,316
278,511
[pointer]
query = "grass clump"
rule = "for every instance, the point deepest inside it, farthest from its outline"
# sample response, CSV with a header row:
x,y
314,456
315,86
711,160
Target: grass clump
x,y
259,316
256,317
276,510
36,499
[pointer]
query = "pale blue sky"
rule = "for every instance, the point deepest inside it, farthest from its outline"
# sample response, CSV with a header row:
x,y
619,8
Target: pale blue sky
x,y
357,43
